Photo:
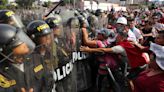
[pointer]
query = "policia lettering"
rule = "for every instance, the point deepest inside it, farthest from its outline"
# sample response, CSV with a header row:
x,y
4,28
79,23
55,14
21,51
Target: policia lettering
x,y
62,72
42,27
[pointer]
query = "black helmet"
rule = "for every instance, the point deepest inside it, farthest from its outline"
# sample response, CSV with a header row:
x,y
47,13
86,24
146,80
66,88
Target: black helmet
x,y
52,22
81,20
98,12
38,28
8,36
9,17
5,15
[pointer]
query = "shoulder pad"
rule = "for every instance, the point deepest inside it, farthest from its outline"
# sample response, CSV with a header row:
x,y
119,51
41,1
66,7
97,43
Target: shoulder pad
x,y
5,83
38,68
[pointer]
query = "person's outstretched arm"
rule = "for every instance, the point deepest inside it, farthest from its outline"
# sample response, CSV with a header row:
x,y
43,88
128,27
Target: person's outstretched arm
x,y
87,49
86,40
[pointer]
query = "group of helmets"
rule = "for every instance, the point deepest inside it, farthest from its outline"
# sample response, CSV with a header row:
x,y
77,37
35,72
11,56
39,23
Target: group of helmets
x,y
10,28
38,27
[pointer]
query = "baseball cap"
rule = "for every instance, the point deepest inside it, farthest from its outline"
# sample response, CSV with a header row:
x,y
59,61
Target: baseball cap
x,y
105,32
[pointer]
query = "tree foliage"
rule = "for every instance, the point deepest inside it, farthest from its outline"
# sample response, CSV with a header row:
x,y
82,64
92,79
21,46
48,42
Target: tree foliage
x,y
25,3
47,4
3,4
68,1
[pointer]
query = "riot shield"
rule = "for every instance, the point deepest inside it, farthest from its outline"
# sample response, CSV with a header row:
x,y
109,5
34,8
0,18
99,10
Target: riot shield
x,y
75,34
66,15
63,73
81,64
93,21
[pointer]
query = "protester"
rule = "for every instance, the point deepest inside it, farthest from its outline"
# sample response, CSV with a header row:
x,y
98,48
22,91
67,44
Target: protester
x,y
117,39
121,25
136,31
151,80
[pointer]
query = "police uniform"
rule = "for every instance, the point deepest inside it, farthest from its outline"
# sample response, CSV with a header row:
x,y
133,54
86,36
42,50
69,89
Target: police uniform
x,y
35,76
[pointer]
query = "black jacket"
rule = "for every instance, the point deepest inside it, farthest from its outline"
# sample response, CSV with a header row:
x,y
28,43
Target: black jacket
x,y
35,76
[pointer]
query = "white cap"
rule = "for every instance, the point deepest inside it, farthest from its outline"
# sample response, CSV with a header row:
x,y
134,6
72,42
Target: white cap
x,y
122,20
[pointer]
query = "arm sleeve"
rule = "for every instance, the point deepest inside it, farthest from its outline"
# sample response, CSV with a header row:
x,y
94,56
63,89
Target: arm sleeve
x,y
99,44
161,85
118,49
139,35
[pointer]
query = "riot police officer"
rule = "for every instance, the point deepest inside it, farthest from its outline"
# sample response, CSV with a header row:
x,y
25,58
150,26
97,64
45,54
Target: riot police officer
x,y
40,33
9,17
62,56
21,70
54,25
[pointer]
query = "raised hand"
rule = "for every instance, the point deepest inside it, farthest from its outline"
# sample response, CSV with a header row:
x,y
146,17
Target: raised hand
x,y
23,90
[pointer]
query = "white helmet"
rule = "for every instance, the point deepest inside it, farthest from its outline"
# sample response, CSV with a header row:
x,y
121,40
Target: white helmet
x,y
122,20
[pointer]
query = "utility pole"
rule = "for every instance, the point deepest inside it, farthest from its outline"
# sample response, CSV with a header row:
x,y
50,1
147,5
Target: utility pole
x,y
91,2
74,3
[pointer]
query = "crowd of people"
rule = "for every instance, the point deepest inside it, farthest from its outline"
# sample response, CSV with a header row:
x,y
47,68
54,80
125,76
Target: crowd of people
x,y
125,51
130,38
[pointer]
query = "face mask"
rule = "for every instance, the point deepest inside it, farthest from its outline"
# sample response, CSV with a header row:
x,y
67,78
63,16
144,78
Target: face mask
x,y
120,29
159,52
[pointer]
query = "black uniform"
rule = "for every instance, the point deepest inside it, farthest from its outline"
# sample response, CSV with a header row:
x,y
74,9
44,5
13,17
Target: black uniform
x,y
35,76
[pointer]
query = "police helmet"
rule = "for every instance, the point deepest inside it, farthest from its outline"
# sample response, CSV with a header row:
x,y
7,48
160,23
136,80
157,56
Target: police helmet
x,y
8,36
58,17
81,20
98,12
5,15
52,22
38,28
9,17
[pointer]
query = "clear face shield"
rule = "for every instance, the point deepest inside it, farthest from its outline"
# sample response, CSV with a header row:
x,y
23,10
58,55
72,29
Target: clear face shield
x,y
18,48
58,31
73,33
45,47
14,20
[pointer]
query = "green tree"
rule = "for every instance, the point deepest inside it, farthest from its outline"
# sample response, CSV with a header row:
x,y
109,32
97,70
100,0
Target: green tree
x,y
25,3
3,4
47,4
68,1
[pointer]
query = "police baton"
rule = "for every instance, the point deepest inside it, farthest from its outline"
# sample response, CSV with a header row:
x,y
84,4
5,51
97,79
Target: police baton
x,y
54,8
110,73
117,87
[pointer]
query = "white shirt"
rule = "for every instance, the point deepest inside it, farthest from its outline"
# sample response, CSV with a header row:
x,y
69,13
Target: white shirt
x,y
19,66
137,33
131,36
159,26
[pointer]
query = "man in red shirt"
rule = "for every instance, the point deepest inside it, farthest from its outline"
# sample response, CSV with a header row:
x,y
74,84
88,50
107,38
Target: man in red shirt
x,y
130,53
127,52
152,80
